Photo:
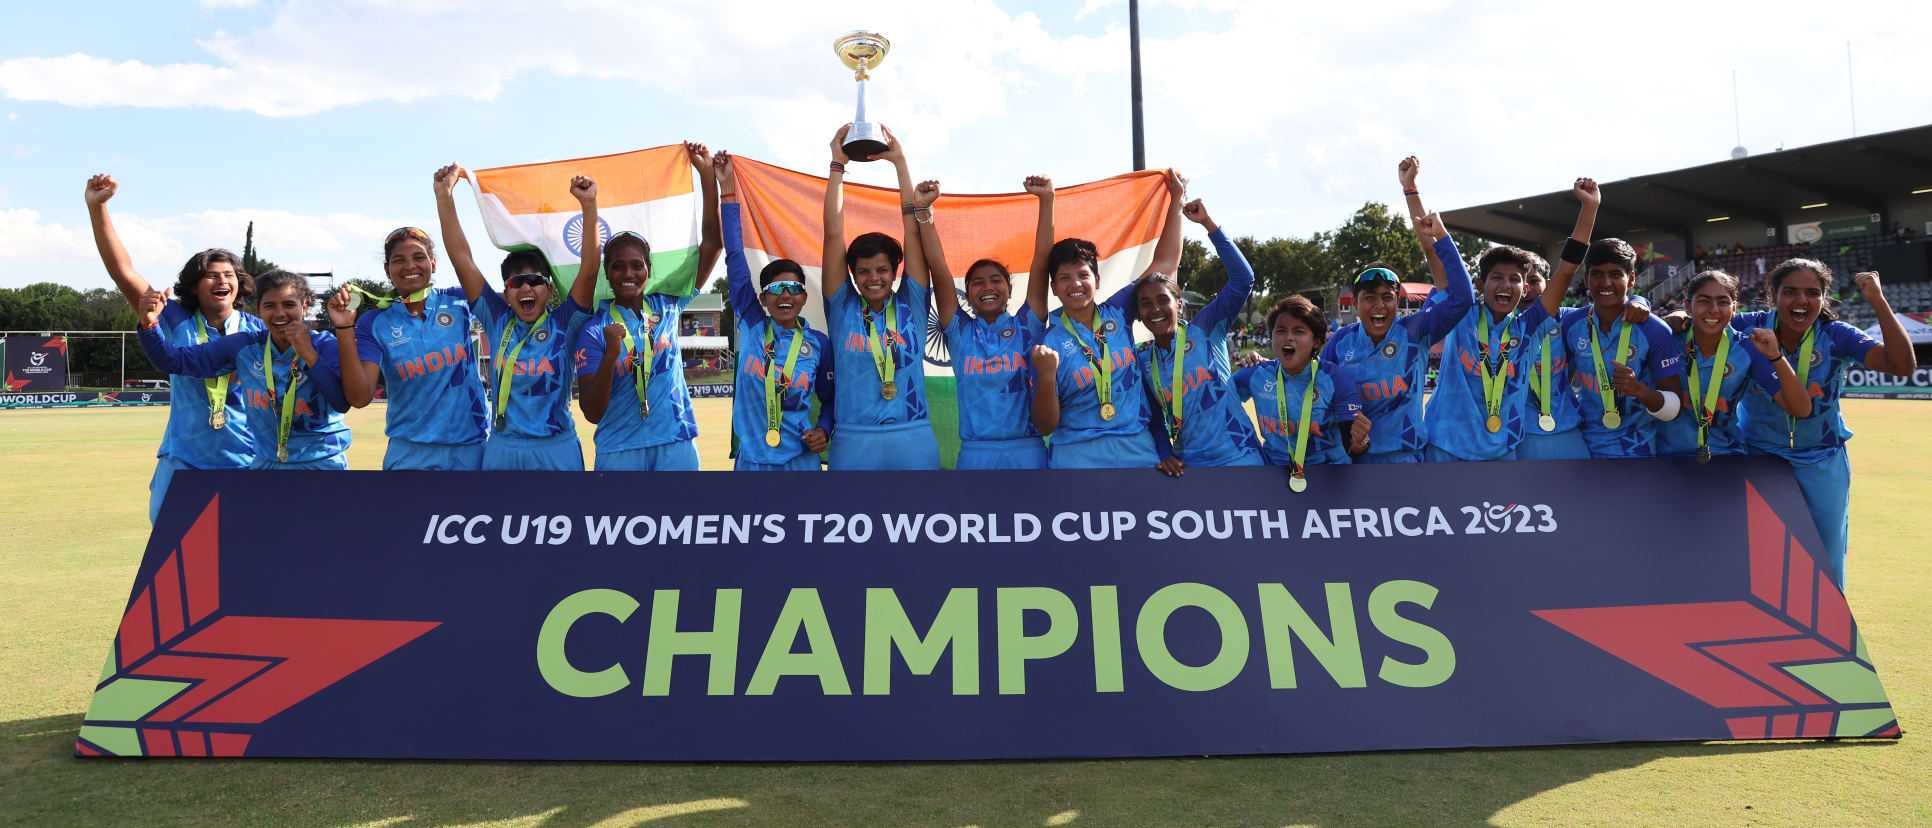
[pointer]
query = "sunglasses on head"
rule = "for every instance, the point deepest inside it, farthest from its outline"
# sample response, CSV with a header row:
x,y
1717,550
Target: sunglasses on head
x,y
409,232
1378,274
786,288
526,280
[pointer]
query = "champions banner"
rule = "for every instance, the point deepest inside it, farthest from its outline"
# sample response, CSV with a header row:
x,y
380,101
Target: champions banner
x,y
870,616
35,363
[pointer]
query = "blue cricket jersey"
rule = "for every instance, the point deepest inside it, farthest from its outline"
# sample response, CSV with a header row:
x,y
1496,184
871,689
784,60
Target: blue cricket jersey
x,y
188,437
812,374
541,379
1546,336
859,401
1457,416
1215,429
993,373
1836,347
1080,419
1390,373
1744,370
316,430
624,427
1330,417
428,370
1653,354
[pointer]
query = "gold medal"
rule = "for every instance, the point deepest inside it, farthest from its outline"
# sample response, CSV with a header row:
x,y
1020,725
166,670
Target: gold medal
x,y
644,410
1612,419
1546,422
889,390
1298,483
218,419
1107,411
771,438
1703,454
281,453
1494,423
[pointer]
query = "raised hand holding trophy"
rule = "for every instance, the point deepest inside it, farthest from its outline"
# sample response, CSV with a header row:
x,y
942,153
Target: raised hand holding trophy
x,y
861,51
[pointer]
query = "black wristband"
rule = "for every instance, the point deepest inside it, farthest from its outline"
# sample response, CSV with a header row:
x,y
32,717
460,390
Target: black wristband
x,y
1573,251
345,327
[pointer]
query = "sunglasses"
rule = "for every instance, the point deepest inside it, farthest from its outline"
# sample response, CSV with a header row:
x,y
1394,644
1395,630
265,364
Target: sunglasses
x,y
786,288
409,232
1378,274
526,280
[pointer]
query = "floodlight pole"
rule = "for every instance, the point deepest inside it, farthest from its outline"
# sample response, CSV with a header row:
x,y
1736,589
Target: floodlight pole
x,y
1133,70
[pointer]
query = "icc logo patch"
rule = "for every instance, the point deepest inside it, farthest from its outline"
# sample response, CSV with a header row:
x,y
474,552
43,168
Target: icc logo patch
x,y
542,335
445,318
396,332
573,233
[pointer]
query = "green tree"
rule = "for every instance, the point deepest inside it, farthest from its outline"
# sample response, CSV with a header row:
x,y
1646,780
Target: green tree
x,y
1194,256
252,262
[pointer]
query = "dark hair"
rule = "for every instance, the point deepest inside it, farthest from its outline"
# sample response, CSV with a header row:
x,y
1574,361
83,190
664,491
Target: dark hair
x,y
281,278
402,234
1725,280
1611,251
628,237
781,267
994,264
525,261
1300,308
1538,265
873,244
1775,279
1360,285
198,264
1503,254
1070,251
1164,282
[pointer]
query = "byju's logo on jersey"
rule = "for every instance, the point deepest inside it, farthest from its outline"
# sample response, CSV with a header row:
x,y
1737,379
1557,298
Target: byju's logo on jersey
x,y
573,233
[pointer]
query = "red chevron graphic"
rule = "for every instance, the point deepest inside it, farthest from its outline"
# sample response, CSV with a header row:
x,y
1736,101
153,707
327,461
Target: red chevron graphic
x,y
1728,653
241,670
15,384
58,343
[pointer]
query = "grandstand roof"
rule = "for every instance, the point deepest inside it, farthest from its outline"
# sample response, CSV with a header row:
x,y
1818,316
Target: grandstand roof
x,y
1863,172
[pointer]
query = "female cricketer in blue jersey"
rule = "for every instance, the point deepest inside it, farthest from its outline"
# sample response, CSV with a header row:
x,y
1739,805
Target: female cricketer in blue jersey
x,y
1630,372
1822,349
628,359
1389,356
1490,361
200,433
290,380
878,333
1087,392
1724,366
1197,417
531,365
782,362
1552,422
992,376
1310,410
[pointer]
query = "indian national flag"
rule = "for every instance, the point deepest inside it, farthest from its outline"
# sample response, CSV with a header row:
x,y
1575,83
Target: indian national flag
x,y
648,192
1122,216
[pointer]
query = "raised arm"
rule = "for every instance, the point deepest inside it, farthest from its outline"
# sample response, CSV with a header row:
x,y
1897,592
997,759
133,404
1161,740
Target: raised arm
x,y
944,296
583,288
1894,355
1039,282
206,361
711,234
908,224
1046,394
741,291
1406,172
1790,395
1437,319
1167,252
455,245
358,375
831,271
1590,198
1234,295
120,268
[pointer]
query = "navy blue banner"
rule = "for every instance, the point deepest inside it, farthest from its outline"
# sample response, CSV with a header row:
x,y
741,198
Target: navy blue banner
x,y
83,399
959,615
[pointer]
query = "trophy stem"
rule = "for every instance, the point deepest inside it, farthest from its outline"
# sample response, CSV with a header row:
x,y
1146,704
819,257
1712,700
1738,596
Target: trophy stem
x,y
861,100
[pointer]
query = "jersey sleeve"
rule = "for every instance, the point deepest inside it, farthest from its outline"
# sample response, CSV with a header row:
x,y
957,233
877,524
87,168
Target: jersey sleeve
x,y
205,361
1219,313
491,310
1761,370
1666,357
588,350
1123,299
1033,326
568,319
1744,322
954,331
368,348
823,382
1328,350
326,373
172,313
1348,396
743,294
1240,380
1158,428
1849,342
1437,319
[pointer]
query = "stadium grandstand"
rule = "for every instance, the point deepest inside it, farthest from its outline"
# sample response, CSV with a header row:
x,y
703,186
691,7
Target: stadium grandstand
x,y
1858,204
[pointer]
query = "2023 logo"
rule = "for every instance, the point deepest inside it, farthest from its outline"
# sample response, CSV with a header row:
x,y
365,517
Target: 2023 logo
x,y
1494,518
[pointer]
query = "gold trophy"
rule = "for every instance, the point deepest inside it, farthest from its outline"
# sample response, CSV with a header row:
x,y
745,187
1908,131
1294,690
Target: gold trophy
x,y
862,51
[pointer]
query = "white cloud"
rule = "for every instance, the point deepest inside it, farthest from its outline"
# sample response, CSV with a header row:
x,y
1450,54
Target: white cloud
x,y
32,250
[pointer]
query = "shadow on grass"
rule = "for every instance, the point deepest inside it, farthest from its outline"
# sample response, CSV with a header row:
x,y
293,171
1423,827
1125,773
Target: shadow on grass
x,y
41,783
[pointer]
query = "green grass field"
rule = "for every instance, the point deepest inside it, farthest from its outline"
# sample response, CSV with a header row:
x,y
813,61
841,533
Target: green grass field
x,y
73,495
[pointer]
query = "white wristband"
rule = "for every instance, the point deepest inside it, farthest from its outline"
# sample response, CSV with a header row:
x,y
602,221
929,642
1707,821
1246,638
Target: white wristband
x,y
1670,409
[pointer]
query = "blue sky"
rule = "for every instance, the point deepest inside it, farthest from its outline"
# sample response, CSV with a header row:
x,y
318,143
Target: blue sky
x,y
324,121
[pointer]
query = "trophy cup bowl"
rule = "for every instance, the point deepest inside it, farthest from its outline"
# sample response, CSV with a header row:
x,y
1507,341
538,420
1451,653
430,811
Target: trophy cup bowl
x,y
860,52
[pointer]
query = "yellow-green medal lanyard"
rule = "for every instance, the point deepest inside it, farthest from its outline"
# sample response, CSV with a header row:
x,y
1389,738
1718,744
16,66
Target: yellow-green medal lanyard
x,y
1103,367
506,363
286,398
1611,417
644,358
217,388
773,397
882,357
1803,370
1177,392
1297,481
385,301
1704,399
1492,385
